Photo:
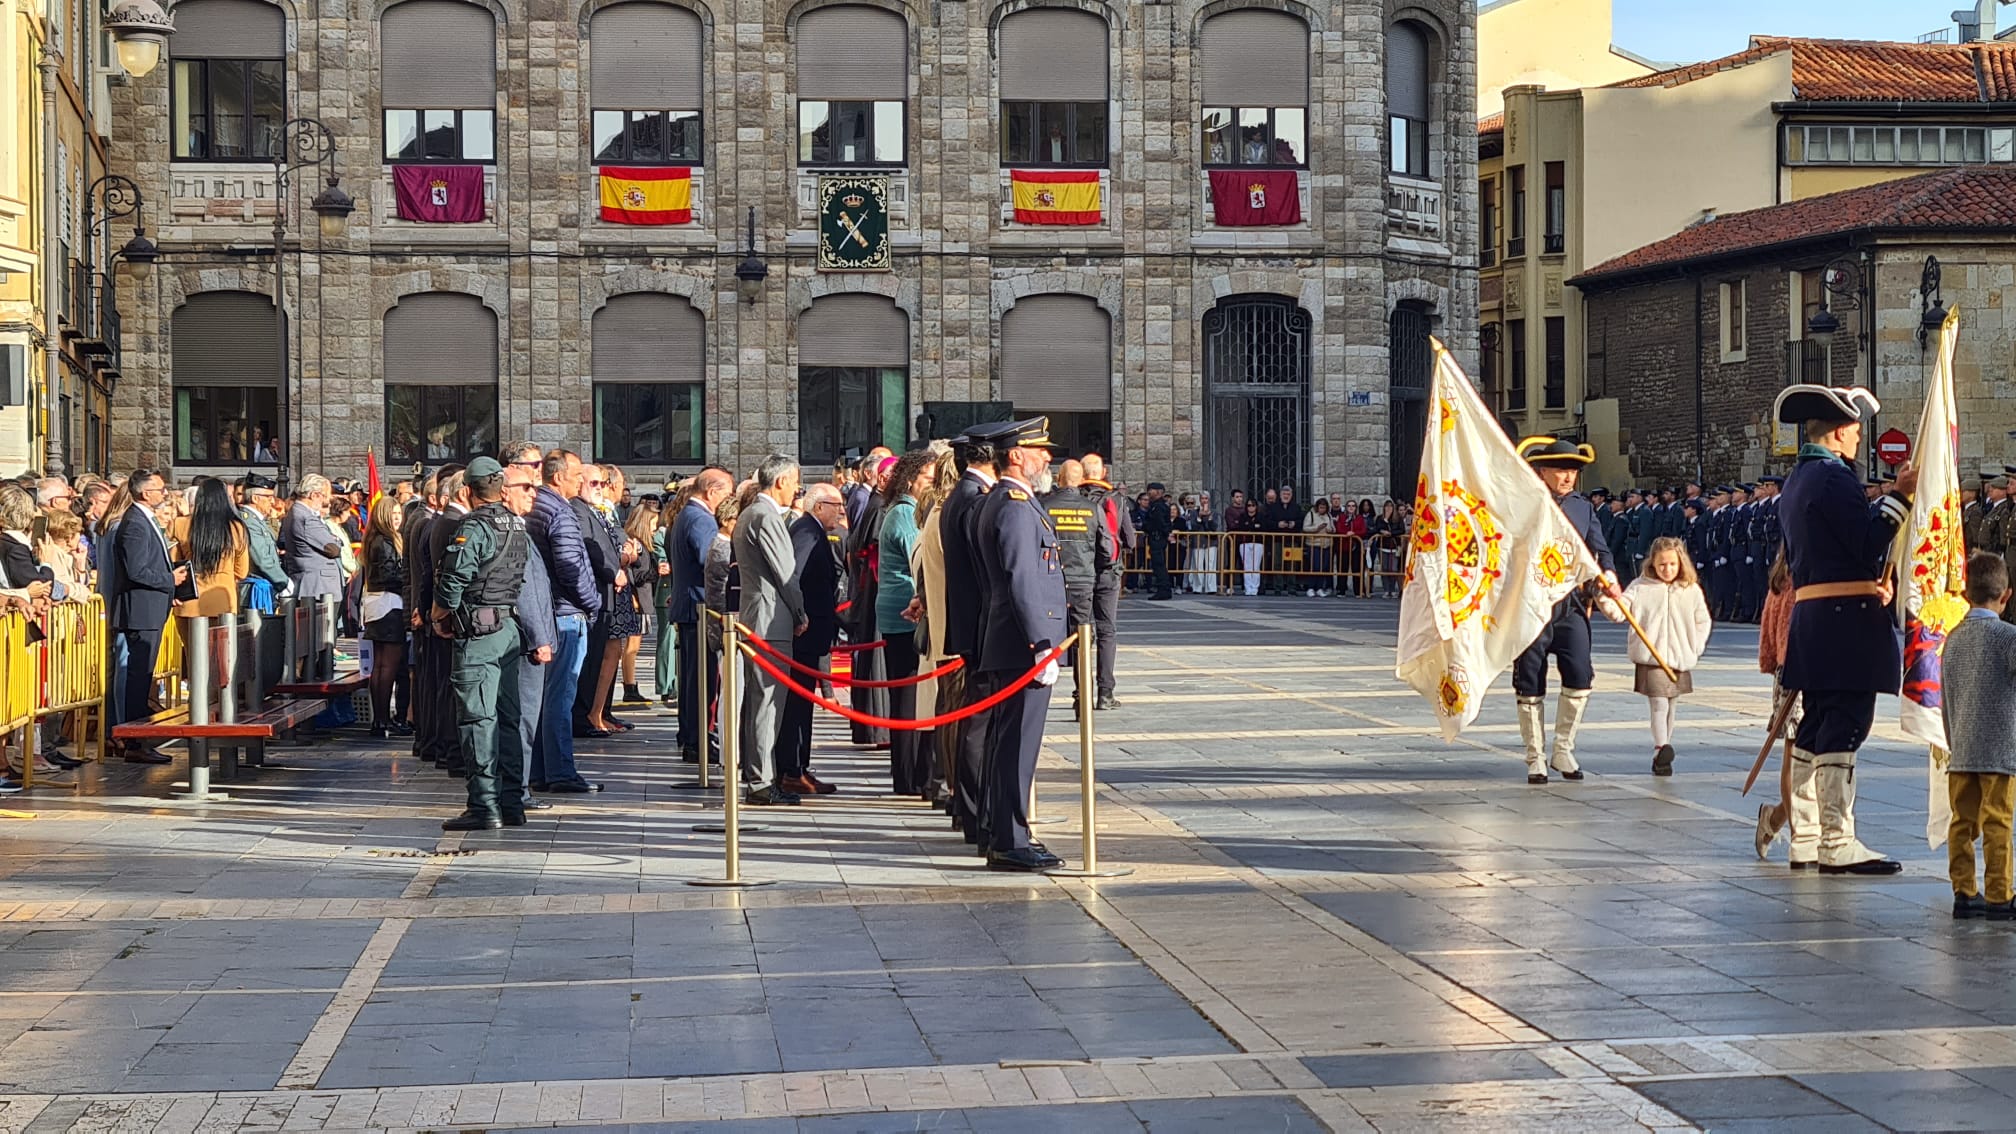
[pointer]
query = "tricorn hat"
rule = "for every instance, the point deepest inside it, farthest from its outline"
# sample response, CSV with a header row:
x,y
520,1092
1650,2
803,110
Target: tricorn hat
x,y
1810,402
1551,452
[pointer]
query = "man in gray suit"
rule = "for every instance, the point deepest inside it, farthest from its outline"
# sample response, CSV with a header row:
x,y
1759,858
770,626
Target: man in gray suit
x,y
772,609
313,552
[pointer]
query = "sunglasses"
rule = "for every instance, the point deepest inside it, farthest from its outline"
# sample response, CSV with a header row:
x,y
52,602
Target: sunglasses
x,y
598,484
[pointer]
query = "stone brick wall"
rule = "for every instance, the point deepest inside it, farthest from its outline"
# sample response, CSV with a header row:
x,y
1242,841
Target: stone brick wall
x,y
544,262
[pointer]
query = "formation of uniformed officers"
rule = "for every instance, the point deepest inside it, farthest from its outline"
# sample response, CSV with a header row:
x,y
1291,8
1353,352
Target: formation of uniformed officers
x,y
1731,532
968,549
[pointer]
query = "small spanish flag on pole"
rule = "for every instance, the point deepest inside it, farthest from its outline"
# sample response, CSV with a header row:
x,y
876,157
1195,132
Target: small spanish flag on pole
x,y
1056,196
647,194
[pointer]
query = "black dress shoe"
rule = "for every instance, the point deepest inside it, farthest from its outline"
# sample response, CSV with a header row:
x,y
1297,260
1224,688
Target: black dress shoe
x,y
1999,911
1662,761
537,805
1027,860
1802,865
513,818
1873,867
1536,777
474,821
1969,905
689,755
381,732
770,797
573,787
401,729
592,733
459,771
536,786
1574,776
147,756
1106,703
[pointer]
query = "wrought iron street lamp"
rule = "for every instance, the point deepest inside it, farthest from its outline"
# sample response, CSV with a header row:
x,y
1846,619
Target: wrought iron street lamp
x,y
139,29
304,144
752,271
1931,307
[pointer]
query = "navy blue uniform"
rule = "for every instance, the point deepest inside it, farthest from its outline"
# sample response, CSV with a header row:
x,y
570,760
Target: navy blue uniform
x,y
1834,535
1566,635
1024,620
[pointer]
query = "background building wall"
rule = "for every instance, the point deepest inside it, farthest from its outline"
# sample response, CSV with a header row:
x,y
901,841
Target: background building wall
x,y
1556,44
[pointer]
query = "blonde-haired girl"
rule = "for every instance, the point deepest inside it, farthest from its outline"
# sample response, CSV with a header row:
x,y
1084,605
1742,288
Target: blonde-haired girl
x,y
1666,599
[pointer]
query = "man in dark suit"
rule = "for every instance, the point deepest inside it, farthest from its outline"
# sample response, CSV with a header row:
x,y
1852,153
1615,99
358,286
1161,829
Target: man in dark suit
x,y
139,583
420,511
965,605
442,741
538,628
819,585
692,533
1024,621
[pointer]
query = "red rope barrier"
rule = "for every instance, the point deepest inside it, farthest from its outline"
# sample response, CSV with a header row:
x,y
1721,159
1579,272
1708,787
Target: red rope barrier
x,y
873,721
823,675
849,648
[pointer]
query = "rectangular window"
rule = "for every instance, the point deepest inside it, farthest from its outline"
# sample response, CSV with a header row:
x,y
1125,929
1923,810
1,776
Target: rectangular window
x,y
647,137
841,407
441,135
227,109
1256,136
1556,330
1557,208
226,425
1515,236
850,133
1735,297
1407,145
1515,394
649,423
1898,145
1487,222
440,423
1492,377
1069,134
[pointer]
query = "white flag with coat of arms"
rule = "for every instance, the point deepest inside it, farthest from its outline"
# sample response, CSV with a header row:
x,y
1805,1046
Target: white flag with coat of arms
x,y
1492,553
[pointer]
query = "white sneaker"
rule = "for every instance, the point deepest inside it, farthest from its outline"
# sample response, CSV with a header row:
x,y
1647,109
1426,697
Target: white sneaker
x,y
1324,593
1308,594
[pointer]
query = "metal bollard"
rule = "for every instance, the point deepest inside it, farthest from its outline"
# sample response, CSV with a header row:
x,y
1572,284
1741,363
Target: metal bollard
x,y
284,611
1087,780
700,695
197,645
731,788
227,699
325,645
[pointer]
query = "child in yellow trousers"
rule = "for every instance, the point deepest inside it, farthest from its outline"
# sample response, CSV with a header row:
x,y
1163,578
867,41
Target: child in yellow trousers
x,y
1976,668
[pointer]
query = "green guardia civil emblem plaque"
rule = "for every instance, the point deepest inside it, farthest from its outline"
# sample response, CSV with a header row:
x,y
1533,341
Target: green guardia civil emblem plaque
x,y
854,223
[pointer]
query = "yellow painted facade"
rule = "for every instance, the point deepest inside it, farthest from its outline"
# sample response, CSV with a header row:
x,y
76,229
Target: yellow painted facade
x,y
1555,44
1817,180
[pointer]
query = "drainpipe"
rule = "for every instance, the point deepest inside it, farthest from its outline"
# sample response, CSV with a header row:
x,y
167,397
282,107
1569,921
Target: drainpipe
x,y
52,268
1700,400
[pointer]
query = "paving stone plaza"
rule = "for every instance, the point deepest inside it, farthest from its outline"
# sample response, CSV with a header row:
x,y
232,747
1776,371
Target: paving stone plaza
x,y
1336,921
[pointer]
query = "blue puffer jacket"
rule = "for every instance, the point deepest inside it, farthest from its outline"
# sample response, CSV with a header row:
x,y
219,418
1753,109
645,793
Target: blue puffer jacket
x,y
556,532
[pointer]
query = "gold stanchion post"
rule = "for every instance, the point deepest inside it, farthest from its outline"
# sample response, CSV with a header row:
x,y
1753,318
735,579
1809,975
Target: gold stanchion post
x,y
731,728
1087,776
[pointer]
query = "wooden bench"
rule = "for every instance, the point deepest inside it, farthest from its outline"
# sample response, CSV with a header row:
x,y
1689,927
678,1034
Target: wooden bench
x,y
342,685
251,731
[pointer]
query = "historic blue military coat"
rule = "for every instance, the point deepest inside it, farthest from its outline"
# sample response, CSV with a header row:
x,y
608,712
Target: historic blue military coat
x,y
1834,535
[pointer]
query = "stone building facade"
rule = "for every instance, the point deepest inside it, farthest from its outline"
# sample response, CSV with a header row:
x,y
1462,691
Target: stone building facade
x,y
1694,336
1229,356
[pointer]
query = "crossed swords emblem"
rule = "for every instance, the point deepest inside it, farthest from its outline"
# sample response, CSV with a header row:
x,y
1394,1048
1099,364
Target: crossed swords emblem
x,y
853,229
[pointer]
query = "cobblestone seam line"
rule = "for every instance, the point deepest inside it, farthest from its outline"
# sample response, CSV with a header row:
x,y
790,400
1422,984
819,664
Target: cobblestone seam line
x,y
305,1070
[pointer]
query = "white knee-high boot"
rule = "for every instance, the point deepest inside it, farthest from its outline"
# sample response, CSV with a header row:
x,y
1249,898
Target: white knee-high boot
x,y
1834,781
1803,810
1567,721
1533,730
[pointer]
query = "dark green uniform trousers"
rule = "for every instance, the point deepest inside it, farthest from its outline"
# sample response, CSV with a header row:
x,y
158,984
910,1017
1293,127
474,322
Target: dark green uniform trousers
x,y
484,684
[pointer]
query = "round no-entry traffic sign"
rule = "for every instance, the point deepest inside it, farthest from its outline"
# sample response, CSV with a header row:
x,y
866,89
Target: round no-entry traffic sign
x,y
1893,448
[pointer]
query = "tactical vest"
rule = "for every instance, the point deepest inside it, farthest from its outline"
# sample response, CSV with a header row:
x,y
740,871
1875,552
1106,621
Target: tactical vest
x,y
497,583
1077,523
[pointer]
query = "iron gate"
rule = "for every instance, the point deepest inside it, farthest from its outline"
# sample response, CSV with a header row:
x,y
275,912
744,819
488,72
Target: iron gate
x,y
1256,384
1409,374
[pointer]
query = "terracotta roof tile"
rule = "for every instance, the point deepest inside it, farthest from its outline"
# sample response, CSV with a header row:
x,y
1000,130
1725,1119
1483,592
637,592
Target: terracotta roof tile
x,y
1491,124
1969,198
1838,70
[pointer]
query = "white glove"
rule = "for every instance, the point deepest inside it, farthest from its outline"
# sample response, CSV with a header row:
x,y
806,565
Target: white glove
x,y
1610,609
1049,674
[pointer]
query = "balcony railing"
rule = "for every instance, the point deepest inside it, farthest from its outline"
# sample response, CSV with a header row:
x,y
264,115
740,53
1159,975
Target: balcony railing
x,y
1413,208
1552,244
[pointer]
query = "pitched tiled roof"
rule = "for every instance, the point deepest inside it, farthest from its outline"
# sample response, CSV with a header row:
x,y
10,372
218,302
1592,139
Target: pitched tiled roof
x,y
1838,70
1491,124
1970,198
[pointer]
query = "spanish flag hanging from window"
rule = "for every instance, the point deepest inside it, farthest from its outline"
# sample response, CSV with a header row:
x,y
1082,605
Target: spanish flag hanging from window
x,y
1056,196
647,194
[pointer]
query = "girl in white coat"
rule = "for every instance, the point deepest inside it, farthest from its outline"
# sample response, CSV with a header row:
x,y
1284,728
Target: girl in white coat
x,y
1666,599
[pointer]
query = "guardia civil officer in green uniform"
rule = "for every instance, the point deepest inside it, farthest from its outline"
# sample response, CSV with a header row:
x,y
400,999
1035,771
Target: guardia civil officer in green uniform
x,y
475,600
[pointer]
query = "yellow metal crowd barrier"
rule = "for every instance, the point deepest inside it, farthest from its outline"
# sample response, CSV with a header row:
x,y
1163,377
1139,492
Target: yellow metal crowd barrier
x,y
53,664
1230,563
168,662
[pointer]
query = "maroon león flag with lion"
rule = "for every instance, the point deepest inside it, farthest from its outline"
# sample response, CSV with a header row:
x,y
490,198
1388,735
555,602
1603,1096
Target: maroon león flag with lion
x,y
439,194
1251,197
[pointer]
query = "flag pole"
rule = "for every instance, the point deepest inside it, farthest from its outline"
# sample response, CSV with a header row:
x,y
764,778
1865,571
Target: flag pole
x,y
1625,608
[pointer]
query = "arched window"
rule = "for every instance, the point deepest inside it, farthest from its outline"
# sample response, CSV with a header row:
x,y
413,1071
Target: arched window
x,y
649,364
440,379
853,376
853,86
1256,380
646,83
1054,90
224,364
1256,89
228,82
1409,375
1408,97
1057,361
437,78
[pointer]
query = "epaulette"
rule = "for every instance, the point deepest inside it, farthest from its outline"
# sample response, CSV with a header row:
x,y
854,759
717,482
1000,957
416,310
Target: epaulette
x,y
1016,493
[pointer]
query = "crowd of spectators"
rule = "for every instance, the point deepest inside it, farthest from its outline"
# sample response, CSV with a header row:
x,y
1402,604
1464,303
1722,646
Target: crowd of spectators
x,y
1269,544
